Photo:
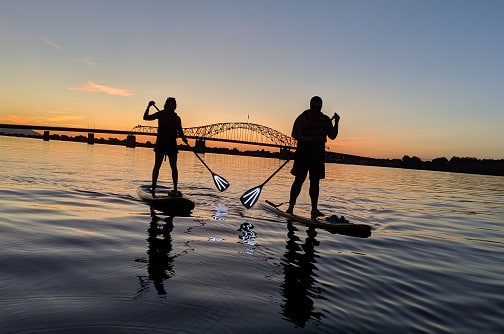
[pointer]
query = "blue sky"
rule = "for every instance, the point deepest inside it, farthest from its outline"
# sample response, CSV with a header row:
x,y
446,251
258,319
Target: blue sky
x,y
422,78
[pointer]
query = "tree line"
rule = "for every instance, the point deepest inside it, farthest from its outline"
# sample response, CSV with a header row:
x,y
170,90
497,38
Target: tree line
x,y
455,164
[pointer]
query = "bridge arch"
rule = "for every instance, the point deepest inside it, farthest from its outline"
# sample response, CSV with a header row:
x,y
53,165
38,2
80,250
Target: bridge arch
x,y
237,132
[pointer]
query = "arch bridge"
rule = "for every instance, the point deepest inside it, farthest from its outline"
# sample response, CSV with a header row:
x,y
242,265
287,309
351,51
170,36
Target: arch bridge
x,y
241,133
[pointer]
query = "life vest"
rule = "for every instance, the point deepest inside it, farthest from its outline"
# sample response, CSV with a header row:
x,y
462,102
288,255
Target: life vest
x,y
314,126
168,124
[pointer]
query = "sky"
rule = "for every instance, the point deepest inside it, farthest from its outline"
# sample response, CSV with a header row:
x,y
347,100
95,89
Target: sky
x,y
422,78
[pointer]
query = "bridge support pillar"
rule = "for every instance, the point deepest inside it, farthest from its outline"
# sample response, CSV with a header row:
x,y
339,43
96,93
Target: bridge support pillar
x,y
131,141
285,153
90,138
200,145
46,135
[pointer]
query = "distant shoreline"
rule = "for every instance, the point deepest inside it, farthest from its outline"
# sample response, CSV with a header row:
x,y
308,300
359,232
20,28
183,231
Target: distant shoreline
x,y
455,164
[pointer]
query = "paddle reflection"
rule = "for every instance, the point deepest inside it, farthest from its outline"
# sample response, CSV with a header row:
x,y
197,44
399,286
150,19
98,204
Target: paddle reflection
x,y
299,288
160,261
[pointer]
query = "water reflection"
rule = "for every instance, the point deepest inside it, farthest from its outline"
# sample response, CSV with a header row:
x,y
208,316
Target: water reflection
x,y
160,261
220,212
247,237
300,268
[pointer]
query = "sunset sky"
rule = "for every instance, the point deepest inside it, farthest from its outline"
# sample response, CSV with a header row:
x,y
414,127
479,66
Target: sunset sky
x,y
408,77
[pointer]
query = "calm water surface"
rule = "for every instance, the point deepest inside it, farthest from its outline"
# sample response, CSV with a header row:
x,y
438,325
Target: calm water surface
x,y
80,253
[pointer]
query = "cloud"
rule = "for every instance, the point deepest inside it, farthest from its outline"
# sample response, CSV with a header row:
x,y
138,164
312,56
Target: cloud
x,y
52,43
346,141
15,119
86,61
96,88
60,111
63,119
61,115
55,118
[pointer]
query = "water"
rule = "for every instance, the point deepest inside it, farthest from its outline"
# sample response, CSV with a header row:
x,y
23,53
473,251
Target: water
x,y
82,254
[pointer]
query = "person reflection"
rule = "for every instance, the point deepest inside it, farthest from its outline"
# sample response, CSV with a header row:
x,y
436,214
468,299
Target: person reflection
x,y
160,265
299,270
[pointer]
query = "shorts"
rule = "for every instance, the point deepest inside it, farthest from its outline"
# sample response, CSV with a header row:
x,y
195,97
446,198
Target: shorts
x,y
310,158
166,145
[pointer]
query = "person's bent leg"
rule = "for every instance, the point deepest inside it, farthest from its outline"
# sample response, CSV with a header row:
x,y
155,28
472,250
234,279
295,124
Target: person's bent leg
x,y
295,191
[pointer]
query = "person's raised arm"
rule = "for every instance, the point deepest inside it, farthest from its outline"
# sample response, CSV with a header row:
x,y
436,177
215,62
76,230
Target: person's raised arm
x,y
146,115
333,130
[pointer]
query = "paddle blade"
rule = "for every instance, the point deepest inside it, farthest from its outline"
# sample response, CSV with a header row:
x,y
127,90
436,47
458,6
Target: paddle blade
x,y
220,182
250,197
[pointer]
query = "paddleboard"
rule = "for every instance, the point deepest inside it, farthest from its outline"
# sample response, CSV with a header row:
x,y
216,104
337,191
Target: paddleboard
x,y
343,227
165,201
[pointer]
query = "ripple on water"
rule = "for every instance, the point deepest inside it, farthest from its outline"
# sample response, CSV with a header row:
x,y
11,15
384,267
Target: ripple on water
x,y
80,254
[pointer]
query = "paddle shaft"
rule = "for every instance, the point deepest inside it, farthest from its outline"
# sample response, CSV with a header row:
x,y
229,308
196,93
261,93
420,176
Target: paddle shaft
x,y
202,161
275,172
250,197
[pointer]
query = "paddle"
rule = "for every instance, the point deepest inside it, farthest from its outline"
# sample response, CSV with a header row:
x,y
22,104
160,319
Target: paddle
x,y
250,197
219,181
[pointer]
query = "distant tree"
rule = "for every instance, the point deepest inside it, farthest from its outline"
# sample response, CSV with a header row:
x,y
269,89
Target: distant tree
x,y
440,163
114,141
466,165
396,162
413,162
80,138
